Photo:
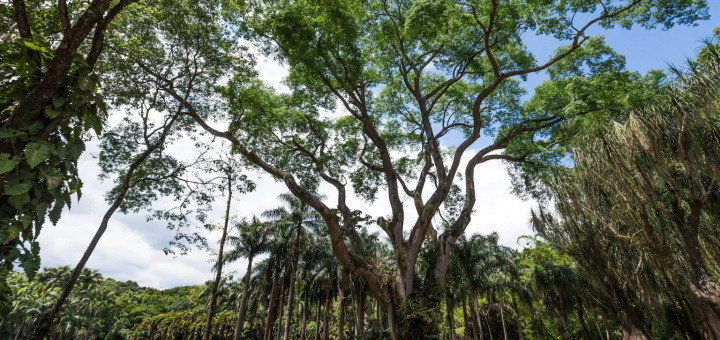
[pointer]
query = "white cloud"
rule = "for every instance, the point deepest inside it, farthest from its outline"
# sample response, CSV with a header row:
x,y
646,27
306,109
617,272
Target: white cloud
x,y
132,248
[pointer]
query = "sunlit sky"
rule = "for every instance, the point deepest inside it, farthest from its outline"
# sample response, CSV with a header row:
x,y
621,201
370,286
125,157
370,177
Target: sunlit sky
x,y
132,248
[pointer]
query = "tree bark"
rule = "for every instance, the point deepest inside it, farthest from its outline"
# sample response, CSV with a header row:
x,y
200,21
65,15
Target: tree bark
x,y
19,331
343,281
281,309
243,301
502,319
272,304
518,321
292,269
326,318
218,275
450,317
306,307
466,329
360,301
477,324
317,320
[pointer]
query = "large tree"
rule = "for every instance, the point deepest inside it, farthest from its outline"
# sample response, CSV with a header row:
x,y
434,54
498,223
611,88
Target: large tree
x,y
640,207
50,56
427,91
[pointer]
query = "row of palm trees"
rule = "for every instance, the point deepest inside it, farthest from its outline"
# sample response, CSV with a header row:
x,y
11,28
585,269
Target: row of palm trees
x,y
294,287
89,303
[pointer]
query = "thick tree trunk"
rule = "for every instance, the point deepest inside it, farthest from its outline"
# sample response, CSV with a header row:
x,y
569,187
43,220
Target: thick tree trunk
x,y
243,301
393,324
705,294
630,332
218,275
631,327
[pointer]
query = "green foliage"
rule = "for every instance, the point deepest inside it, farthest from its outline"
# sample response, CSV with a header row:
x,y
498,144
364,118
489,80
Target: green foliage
x,y
638,209
184,325
105,308
39,153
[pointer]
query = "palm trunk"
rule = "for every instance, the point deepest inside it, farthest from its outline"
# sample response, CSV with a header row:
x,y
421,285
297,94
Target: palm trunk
x,y
598,328
583,323
477,324
326,321
19,331
487,322
281,309
450,317
272,305
342,307
564,324
243,301
317,320
303,329
218,275
466,332
92,322
378,314
518,321
292,268
502,319
360,312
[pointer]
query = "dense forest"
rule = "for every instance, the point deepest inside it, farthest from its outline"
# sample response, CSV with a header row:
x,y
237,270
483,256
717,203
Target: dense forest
x,y
397,104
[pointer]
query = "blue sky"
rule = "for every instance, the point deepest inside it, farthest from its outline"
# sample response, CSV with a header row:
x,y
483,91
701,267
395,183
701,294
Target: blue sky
x,y
643,49
132,247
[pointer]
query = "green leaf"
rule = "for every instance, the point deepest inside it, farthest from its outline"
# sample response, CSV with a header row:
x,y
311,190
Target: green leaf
x,y
7,162
40,211
9,133
58,101
33,127
93,121
50,112
30,261
35,46
56,211
36,153
18,201
14,231
18,184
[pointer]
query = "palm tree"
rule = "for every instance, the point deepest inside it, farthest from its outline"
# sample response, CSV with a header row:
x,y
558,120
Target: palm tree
x,y
295,221
251,242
